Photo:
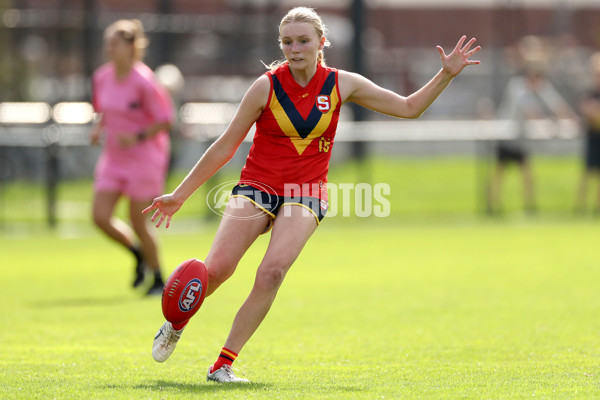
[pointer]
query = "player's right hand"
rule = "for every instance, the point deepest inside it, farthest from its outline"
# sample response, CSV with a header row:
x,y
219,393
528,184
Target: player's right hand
x,y
165,206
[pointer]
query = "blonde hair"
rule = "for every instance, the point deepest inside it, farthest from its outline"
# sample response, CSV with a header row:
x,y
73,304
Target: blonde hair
x,y
132,31
309,16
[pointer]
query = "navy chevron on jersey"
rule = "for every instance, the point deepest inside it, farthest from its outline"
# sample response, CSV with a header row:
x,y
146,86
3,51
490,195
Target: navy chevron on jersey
x,y
295,134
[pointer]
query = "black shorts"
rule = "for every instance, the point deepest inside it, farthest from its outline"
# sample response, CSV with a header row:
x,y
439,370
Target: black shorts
x,y
271,204
507,154
592,154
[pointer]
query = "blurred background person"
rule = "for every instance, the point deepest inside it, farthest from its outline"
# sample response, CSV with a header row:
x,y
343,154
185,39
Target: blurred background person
x,y
528,96
134,117
589,108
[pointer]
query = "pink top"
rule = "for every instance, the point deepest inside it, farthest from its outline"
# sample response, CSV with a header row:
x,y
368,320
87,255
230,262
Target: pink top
x,y
128,107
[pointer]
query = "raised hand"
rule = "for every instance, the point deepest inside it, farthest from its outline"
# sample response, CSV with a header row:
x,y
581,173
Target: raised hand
x,y
165,206
454,62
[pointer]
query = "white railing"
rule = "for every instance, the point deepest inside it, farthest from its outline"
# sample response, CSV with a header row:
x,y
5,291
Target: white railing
x,y
35,124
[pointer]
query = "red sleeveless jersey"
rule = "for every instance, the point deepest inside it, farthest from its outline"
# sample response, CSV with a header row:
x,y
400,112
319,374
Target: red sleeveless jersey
x,y
294,135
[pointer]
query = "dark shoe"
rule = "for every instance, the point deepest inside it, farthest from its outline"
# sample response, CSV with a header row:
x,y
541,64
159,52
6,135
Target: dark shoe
x,y
140,270
156,289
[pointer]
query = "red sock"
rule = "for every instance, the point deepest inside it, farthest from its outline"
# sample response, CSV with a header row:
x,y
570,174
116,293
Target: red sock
x,y
226,357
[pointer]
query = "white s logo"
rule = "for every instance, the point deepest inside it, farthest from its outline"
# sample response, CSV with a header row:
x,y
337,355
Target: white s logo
x,y
323,103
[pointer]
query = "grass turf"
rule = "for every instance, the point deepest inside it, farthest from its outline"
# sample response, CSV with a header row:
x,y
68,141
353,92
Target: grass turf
x,y
370,310
431,302
420,189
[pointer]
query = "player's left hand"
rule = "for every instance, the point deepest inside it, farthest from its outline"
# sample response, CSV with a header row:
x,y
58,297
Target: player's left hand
x,y
454,62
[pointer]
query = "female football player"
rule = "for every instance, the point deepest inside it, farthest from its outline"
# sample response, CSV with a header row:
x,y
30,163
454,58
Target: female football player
x,y
135,114
295,106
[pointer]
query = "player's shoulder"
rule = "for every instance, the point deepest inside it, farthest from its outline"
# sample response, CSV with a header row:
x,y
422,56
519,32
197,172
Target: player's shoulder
x,y
350,79
351,84
142,72
104,71
262,82
342,73
259,90
327,69
278,69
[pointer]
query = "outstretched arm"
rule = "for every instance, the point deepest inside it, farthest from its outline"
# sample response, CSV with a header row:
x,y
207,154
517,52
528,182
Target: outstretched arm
x,y
217,155
358,89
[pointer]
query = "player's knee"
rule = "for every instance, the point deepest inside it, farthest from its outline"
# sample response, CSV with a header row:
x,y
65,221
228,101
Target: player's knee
x,y
216,277
219,268
269,279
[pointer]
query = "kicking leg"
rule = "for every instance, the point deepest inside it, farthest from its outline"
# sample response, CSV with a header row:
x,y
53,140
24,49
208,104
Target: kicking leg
x,y
292,228
241,224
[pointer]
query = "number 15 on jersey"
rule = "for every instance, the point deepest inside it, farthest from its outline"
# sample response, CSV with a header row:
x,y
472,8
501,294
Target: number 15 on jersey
x,y
324,145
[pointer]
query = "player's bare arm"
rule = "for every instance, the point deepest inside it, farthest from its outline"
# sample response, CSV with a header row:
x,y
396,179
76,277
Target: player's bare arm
x,y
358,89
130,139
217,155
96,131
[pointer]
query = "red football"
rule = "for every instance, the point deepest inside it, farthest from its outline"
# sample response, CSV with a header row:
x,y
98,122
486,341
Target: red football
x,y
184,291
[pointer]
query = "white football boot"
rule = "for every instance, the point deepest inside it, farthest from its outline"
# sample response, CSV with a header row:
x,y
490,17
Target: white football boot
x,y
224,375
165,341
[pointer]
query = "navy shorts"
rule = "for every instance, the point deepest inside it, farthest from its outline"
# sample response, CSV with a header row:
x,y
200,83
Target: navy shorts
x,y
271,204
506,155
592,154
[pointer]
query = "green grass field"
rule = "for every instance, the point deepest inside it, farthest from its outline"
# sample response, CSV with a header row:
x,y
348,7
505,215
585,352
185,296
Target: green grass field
x,y
421,189
430,303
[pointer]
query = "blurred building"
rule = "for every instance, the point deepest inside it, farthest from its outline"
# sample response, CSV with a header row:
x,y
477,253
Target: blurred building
x,y
49,48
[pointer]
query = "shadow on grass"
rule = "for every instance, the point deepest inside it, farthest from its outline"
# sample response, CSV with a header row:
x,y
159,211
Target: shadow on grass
x,y
213,387
201,387
86,302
